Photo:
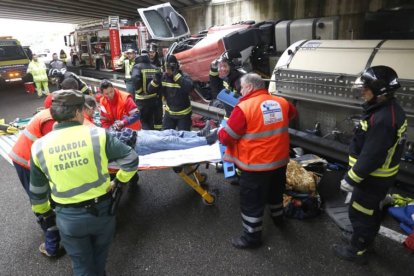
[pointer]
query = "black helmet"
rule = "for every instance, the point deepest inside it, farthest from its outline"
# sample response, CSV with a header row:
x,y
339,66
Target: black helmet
x,y
153,47
57,72
230,56
171,62
382,80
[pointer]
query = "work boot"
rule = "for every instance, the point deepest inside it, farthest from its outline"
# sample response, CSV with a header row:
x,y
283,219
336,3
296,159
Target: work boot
x,y
212,137
346,237
350,253
205,130
242,243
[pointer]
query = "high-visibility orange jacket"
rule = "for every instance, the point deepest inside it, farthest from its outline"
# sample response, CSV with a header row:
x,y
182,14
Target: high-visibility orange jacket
x,y
118,109
265,144
20,152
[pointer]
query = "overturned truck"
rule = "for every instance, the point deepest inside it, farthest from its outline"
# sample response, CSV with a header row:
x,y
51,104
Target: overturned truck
x,y
317,76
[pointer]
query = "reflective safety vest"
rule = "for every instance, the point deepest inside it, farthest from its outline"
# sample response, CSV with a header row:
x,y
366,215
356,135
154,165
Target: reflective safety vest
x,y
265,145
128,68
20,153
74,160
120,109
38,71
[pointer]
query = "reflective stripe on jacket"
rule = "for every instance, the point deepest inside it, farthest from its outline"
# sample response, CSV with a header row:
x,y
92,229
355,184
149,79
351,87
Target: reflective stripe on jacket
x,y
20,153
75,162
265,145
378,142
120,109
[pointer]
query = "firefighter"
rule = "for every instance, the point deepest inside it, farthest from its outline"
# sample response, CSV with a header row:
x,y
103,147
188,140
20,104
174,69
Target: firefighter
x,y
374,156
224,75
37,69
153,55
127,61
257,140
39,126
142,74
62,75
71,164
156,60
175,88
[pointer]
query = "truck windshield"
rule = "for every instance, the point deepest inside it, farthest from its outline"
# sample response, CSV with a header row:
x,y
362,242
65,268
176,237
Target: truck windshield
x,y
11,53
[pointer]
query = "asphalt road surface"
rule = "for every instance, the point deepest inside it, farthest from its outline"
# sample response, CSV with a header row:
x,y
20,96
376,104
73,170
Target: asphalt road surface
x,y
164,228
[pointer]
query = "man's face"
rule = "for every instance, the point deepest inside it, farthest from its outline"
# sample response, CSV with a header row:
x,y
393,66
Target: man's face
x,y
367,94
151,54
34,57
246,88
109,92
223,69
55,57
131,55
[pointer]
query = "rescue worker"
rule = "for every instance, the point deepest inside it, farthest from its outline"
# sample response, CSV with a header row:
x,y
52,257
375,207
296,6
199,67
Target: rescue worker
x,y
71,164
156,61
39,126
118,110
142,74
257,141
127,61
37,69
224,75
175,88
62,75
374,156
153,55
56,63
68,83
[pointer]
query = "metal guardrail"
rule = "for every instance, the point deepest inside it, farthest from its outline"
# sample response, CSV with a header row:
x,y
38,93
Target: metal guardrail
x,y
198,108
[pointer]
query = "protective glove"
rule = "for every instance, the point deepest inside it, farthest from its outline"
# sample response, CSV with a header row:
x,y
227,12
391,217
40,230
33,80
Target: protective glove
x,y
118,125
158,77
346,187
214,65
46,220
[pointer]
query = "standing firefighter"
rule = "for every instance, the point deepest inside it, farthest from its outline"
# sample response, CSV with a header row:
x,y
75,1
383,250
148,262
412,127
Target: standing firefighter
x,y
142,74
257,140
175,88
127,61
71,164
156,61
374,157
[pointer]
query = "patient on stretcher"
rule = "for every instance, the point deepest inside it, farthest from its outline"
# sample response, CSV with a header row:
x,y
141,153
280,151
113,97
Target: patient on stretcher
x,y
150,141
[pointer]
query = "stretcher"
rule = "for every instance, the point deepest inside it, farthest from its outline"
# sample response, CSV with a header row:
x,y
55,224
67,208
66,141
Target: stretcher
x,y
185,163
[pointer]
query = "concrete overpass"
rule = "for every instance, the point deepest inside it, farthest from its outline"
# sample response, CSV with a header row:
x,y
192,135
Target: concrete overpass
x,y
78,11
